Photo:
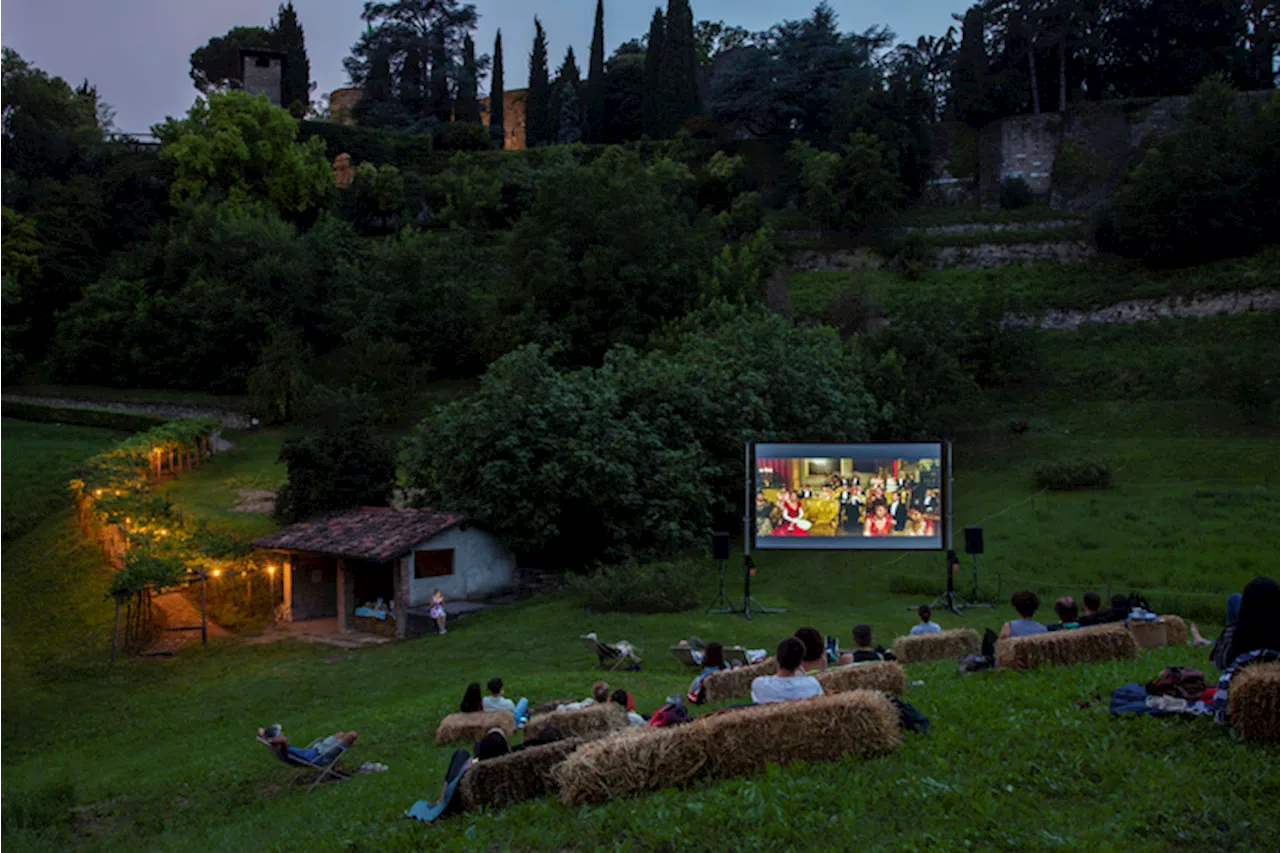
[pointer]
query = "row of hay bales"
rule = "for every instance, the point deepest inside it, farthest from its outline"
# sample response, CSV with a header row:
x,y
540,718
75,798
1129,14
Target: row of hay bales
x,y
736,683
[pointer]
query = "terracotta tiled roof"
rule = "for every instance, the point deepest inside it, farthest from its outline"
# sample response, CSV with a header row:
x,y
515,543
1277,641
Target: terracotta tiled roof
x,y
368,533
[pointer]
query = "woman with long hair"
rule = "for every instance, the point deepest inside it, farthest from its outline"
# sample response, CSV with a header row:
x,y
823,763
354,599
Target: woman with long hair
x,y
472,700
1258,626
712,661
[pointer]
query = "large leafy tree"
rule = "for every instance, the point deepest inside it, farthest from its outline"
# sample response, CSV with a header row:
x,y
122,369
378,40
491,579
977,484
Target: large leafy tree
x,y
538,122
1166,47
790,82
47,124
497,94
605,253
595,92
295,84
678,97
652,89
241,148
216,64
716,37
338,466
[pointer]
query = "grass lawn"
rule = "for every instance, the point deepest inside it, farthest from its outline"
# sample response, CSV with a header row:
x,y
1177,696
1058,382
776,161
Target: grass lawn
x,y
38,460
159,754
212,491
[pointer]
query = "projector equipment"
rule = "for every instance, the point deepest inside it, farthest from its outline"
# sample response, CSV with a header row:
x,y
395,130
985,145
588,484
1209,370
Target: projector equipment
x,y
973,540
720,553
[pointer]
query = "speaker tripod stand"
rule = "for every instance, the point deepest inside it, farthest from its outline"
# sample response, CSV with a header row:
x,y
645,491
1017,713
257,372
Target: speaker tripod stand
x,y
952,600
721,603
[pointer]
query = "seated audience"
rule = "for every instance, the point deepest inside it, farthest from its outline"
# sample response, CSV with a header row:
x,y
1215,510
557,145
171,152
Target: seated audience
x,y
548,734
1222,648
599,695
495,701
623,698
1092,603
815,654
321,753
712,661
927,625
863,652
1065,607
1258,623
790,682
492,745
471,700
1026,603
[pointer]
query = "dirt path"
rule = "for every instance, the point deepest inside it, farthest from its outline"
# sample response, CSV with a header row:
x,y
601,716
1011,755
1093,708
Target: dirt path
x,y
226,417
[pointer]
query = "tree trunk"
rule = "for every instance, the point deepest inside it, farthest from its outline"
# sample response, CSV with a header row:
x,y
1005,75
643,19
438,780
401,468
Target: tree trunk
x,y
204,619
1062,75
115,631
1035,84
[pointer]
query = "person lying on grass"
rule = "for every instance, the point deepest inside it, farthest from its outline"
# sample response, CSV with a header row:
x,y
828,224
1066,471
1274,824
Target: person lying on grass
x,y
790,682
1026,603
863,652
495,701
322,753
599,695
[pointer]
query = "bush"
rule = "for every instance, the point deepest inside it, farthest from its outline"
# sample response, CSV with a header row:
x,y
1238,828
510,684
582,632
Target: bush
x,y
663,587
461,136
372,145
340,465
1015,194
853,188
1073,475
124,421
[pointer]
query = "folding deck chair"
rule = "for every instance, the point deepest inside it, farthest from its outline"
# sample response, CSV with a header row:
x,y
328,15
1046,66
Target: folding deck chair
x,y
735,655
684,655
303,767
627,658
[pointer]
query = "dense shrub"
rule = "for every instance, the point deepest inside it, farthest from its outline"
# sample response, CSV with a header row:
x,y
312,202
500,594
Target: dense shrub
x,y
852,188
1015,194
662,587
1207,190
1073,475
461,136
339,465
371,145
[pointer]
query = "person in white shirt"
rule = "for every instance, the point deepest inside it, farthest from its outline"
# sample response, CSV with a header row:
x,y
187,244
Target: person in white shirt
x,y
927,625
495,701
787,684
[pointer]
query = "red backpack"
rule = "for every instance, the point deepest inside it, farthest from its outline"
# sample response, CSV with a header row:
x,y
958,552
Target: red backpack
x,y
669,714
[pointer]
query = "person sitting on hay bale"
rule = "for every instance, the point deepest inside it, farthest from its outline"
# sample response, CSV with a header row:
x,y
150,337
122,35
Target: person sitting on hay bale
x,y
472,702
1068,615
623,699
492,745
599,695
927,625
815,653
712,661
1026,603
862,649
321,753
495,701
790,682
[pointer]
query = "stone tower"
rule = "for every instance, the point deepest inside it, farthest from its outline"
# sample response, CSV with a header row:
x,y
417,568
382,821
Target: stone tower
x,y
261,72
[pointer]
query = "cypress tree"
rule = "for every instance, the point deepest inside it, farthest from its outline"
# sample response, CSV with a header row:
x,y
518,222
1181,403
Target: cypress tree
x,y
412,83
295,84
678,69
567,103
650,96
537,104
441,104
595,80
497,109
467,107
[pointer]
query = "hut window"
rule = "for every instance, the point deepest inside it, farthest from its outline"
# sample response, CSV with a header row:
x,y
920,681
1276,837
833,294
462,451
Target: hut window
x,y
432,564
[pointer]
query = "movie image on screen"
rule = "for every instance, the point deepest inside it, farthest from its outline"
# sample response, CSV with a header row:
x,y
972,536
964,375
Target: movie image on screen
x,y
850,496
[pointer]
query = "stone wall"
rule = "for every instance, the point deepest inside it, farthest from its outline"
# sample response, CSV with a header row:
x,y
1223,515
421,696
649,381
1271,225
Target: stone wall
x,y
261,74
482,566
512,118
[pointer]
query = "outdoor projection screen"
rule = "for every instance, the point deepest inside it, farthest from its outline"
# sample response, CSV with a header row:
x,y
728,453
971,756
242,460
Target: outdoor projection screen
x,y
875,497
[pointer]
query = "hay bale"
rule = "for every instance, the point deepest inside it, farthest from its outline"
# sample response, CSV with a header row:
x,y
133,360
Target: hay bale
x,y
551,705
471,727
860,722
826,728
590,722
888,676
944,645
1176,629
1253,701
630,762
523,775
1094,644
736,683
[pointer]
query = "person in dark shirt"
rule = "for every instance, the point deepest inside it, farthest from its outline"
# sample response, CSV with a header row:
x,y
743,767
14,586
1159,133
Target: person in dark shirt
x,y
863,652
